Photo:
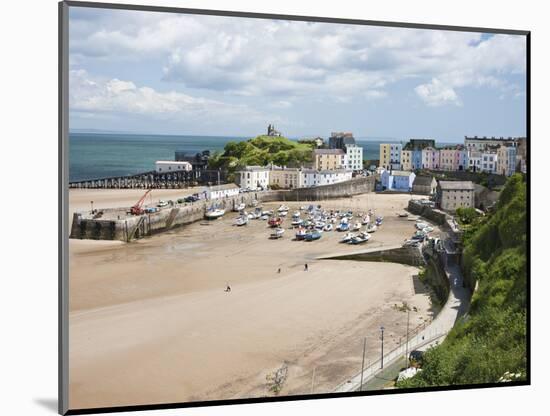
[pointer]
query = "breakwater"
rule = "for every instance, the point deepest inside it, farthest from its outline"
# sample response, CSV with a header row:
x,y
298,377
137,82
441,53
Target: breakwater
x,y
118,224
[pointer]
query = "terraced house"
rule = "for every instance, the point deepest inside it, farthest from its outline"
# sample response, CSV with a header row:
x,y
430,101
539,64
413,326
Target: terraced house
x,y
390,156
329,159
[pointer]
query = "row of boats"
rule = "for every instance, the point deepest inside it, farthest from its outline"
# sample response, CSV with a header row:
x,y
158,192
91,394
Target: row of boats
x,y
317,221
422,233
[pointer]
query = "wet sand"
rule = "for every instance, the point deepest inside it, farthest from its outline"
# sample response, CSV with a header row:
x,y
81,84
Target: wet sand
x,y
151,323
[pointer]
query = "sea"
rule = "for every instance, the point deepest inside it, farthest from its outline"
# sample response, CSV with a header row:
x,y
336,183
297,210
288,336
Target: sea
x,y
103,155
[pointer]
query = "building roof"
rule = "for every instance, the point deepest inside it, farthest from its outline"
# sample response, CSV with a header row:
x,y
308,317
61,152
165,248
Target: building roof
x,y
171,162
401,173
328,151
253,168
326,171
222,187
456,185
423,180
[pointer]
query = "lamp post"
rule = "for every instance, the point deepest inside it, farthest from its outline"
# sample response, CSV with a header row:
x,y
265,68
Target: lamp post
x,y
381,347
407,343
363,364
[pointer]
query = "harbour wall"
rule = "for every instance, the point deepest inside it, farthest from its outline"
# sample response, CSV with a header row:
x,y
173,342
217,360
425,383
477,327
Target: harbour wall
x,y
116,224
411,256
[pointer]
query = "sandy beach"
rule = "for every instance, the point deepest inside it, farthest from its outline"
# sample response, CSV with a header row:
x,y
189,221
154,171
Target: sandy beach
x,y
150,321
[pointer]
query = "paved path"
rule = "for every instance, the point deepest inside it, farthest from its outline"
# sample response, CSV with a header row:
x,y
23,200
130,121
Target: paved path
x,y
457,304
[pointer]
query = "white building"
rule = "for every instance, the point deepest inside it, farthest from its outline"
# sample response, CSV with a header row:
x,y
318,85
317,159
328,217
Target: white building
x,y
171,166
354,157
489,162
221,191
474,161
312,177
253,177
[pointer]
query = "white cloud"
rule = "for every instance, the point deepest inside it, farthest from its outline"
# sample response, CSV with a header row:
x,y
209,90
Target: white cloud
x,y
90,97
436,93
286,60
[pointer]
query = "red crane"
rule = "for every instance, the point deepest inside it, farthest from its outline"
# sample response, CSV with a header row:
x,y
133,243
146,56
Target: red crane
x,y
136,209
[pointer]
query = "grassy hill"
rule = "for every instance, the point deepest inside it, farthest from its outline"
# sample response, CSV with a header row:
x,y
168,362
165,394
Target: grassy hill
x,y
491,339
261,151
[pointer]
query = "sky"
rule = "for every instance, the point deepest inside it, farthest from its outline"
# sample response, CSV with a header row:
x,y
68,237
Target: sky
x,y
165,73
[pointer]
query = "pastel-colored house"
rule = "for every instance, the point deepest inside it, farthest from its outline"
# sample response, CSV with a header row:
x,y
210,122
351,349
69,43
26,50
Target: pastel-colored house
x,y
397,180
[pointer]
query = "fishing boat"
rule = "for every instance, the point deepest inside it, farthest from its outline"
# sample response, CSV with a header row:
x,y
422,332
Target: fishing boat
x,y
344,226
371,228
319,225
296,222
277,233
242,220
360,239
268,212
313,235
403,215
283,208
264,217
296,215
328,227
213,214
275,222
357,226
240,207
301,234
419,235
428,229
347,237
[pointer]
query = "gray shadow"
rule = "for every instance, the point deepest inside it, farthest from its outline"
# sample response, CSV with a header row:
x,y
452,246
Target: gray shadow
x,y
48,404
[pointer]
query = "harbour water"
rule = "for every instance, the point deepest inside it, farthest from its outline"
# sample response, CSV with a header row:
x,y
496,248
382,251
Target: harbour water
x,y
100,155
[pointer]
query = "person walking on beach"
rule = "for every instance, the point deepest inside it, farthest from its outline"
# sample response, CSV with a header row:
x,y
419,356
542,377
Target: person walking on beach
x,y
228,288
305,267
279,270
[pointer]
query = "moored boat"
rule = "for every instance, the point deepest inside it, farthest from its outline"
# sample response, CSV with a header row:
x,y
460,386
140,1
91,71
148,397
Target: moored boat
x,y
277,233
275,222
300,234
213,214
371,228
242,220
313,235
347,237
240,207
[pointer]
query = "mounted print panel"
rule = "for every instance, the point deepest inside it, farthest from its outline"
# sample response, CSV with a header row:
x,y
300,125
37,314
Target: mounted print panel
x,y
262,208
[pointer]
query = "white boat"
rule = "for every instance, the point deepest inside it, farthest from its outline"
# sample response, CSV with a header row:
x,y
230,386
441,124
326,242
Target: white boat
x,y
214,214
242,220
162,204
268,212
360,238
403,215
371,228
428,229
328,227
277,233
283,208
296,215
366,220
296,222
239,207
283,213
357,226
347,237
421,225
264,217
